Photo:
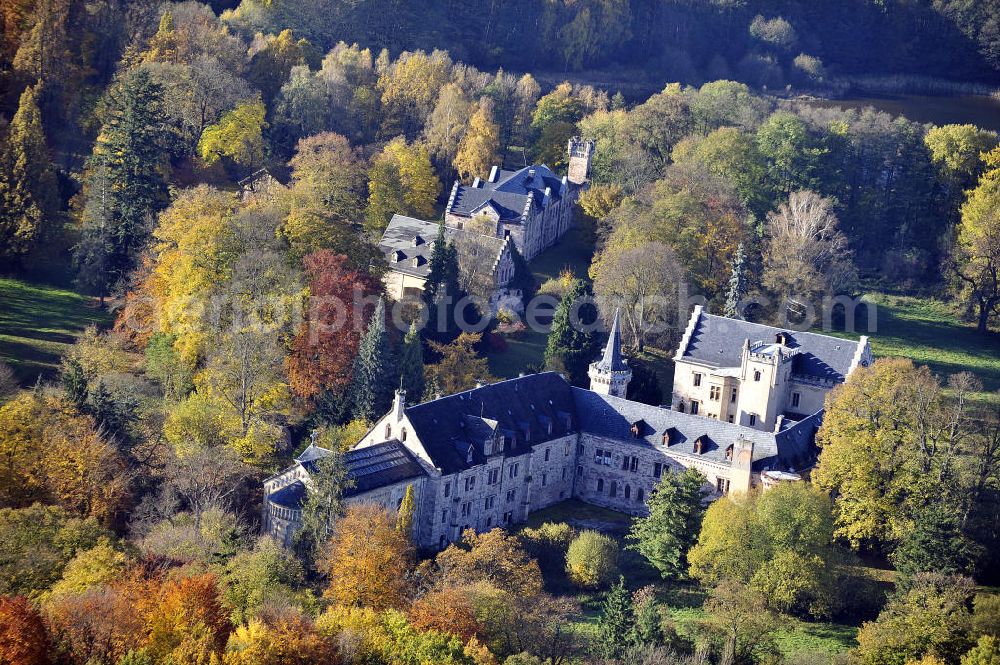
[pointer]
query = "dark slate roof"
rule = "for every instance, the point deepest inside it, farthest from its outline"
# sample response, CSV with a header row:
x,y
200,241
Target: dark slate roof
x,y
614,417
289,496
380,465
717,341
522,410
408,243
612,360
510,192
376,466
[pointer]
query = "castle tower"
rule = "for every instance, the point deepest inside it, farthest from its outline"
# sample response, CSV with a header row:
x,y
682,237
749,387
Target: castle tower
x,y
580,153
610,375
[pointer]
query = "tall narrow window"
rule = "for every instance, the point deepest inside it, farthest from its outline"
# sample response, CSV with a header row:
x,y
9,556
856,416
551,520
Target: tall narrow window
x,y
795,399
697,379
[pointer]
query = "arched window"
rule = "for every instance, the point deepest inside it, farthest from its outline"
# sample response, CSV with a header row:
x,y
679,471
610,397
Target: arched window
x,y
628,492
388,431
600,484
614,488
639,495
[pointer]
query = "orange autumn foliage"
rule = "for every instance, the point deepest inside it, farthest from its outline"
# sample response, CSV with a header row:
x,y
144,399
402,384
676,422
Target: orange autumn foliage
x,y
100,625
23,638
185,621
447,610
368,560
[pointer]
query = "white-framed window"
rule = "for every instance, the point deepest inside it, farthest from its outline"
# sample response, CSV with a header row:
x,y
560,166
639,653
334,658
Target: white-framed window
x,y
697,379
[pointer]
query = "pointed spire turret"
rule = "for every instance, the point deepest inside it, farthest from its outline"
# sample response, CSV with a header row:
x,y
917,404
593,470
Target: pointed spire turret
x,y
610,375
612,359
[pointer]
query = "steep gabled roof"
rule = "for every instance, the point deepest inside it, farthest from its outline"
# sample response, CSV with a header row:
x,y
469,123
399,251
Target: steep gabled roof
x,y
409,242
522,409
613,417
717,341
510,193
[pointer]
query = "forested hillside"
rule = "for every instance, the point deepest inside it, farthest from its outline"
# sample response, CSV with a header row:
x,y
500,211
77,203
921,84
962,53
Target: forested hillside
x,y
208,186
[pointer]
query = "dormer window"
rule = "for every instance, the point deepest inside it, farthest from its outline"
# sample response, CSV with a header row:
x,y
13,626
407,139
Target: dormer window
x,y
637,428
781,338
417,241
699,445
418,261
729,452
398,256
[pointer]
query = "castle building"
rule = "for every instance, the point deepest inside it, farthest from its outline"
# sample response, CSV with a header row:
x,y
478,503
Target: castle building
x,y
758,376
532,206
490,456
486,262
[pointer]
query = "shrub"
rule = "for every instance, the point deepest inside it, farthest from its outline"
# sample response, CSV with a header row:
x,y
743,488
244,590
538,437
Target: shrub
x,y
592,560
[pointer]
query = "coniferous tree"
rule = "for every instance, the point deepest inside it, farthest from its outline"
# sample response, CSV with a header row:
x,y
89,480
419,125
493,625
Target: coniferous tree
x,y
674,521
572,346
616,626
935,544
28,193
411,365
124,185
374,370
322,504
737,285
442,290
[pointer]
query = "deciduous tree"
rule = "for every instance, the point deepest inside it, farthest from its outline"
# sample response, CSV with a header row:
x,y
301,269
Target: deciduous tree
x,y
478,148
367,560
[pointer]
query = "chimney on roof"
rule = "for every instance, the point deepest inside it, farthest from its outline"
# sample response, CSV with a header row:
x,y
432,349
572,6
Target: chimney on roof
x,y
531,174
778,422
494,172
399,404
476,181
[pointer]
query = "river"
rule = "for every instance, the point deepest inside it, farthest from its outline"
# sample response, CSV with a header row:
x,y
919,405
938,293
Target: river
x,y
978,110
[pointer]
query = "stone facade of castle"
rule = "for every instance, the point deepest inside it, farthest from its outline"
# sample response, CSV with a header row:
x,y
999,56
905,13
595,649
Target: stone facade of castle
x,y
532,206
490,456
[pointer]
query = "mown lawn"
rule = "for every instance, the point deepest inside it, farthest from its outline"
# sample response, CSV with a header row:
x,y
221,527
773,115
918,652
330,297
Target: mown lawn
x,y
820,641
929,332
38,323
573,252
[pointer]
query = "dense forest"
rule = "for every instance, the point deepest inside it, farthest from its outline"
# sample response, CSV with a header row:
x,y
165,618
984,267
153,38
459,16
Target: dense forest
x,y
206,173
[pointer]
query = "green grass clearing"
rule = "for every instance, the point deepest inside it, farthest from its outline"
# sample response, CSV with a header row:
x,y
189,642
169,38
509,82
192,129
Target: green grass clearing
x,y
38,324
929,332
573,252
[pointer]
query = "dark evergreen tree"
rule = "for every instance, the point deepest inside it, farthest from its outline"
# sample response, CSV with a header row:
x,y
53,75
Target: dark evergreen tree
x,y
523,278
936,544
737,285
644,386
322,504
124,185
411,365
29,197
374,370
616,626
74,382
572,344
442,290
676,508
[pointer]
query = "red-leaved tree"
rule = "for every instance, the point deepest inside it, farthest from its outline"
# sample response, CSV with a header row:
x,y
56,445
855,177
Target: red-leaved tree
x,y
341,301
